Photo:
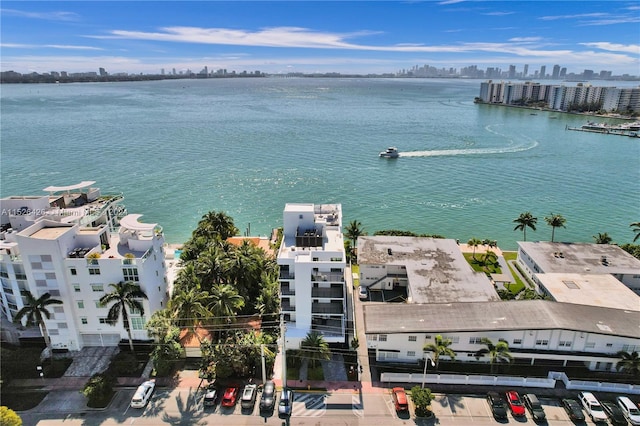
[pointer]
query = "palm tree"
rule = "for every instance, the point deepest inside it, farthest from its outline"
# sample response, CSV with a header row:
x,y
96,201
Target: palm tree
x,y
636,230
524,221
124,294
353,231
315,348
497,352
225,302
438,348
35,310
189,307
474,242
602,238
555,221
488,258
216,225
630,363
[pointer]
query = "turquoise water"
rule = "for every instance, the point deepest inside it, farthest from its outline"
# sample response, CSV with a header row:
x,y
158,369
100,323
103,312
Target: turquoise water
x,y
178,149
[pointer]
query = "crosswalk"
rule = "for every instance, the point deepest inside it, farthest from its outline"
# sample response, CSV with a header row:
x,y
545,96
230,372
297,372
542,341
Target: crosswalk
x,y
357,407
309,405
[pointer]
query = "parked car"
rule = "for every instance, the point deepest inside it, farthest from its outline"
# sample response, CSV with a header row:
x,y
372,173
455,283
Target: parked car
x,y
286,403
615,414
210,396
592,406
515,404
573,409
230,397
498,407
535,408
400,399
268,398
363,293
143,394
629,410
248,398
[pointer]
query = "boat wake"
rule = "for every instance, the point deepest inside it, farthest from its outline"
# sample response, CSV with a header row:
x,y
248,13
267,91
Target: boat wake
x,y
526,144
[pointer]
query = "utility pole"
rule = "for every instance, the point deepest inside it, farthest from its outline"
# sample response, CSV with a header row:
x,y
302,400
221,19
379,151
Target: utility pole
x,y
264,368
283,331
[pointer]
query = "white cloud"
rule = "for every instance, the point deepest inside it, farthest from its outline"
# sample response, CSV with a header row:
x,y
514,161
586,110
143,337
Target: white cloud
x,y
49,16
576,16
47,46
525,39
615,47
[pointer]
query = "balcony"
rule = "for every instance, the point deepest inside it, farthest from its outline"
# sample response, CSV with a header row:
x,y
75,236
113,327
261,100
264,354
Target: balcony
x,y
328,327
286,275
285,290
327,308
328,276
287,307
328,293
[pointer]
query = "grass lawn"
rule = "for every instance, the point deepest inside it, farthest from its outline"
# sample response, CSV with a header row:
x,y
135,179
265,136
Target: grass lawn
x,y
315,373
21,401
492,268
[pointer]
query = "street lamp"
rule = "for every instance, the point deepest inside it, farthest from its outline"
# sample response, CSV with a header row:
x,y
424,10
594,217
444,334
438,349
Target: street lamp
x,y
427,358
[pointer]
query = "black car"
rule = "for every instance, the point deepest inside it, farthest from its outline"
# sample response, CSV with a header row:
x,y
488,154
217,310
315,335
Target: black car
x,y
498,407
535,408
573,409
616,417
268,398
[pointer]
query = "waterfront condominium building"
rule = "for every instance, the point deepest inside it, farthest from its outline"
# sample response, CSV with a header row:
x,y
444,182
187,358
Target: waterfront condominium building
x,y
72,243
312,265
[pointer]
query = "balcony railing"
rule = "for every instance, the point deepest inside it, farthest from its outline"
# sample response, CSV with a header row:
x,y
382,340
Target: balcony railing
x,y
328,276
285,290
327,308
286,275
286,307
329,328
328,293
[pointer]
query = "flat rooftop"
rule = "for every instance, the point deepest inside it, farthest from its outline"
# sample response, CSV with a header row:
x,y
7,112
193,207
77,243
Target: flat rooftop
x,y
580,258
388,318
590,289
50,233
436,269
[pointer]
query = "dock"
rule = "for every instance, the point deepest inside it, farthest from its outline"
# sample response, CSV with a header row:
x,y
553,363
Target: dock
x,y
631,130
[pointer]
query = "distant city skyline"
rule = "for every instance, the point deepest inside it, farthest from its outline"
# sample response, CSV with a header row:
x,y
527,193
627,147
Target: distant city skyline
x,y
320,37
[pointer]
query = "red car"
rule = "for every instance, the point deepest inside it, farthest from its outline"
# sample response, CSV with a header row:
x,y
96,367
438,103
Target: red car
x,y
400,399
230,397
515,403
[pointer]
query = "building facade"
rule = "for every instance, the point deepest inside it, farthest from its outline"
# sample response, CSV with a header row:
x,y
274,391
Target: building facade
x,y
72,244
312,265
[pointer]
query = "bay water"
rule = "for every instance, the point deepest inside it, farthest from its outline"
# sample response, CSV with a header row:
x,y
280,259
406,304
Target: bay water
x,y
247,146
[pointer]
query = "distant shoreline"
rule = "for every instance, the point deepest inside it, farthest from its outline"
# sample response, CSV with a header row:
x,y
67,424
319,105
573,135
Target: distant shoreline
x,y
537,108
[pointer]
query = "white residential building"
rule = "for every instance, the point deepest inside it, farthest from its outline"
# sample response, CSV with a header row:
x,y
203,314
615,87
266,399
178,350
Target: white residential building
x,y
312,265
543,257
72,244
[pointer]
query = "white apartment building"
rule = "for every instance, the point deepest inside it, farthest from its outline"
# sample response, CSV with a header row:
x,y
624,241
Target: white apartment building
x,y
73,243
444,296
312,265
543,257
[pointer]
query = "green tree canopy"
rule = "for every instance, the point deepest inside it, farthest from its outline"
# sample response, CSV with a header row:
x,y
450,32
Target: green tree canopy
x,y
629,363
440,347
498,352
315,348
555,221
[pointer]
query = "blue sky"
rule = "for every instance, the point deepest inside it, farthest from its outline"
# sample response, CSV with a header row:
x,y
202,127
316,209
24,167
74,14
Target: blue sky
x,y
306,36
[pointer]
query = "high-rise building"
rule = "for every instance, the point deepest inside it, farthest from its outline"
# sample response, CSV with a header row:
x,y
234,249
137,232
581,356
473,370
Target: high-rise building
x,y
525,73
543,71
312,265
73,243
556,72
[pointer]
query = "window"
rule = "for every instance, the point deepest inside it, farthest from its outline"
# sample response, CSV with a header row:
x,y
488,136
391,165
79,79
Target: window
x,y
73,271
97,303
609,345
80,304
58,309
54,293
137,323
517,341
94,271
590,345
84,320
373,337
76,288
542,342
411,353
62,325
130,274
475,340
102,320
97,287
50,275
382,338
564,343
413,338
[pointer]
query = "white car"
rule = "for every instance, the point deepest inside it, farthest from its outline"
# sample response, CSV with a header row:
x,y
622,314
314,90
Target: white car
x,y
143,394
592,407
629,410
362,292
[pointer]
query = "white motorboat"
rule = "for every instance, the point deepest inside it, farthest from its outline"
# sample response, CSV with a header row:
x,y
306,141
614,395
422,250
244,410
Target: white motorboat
x,y
391,152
